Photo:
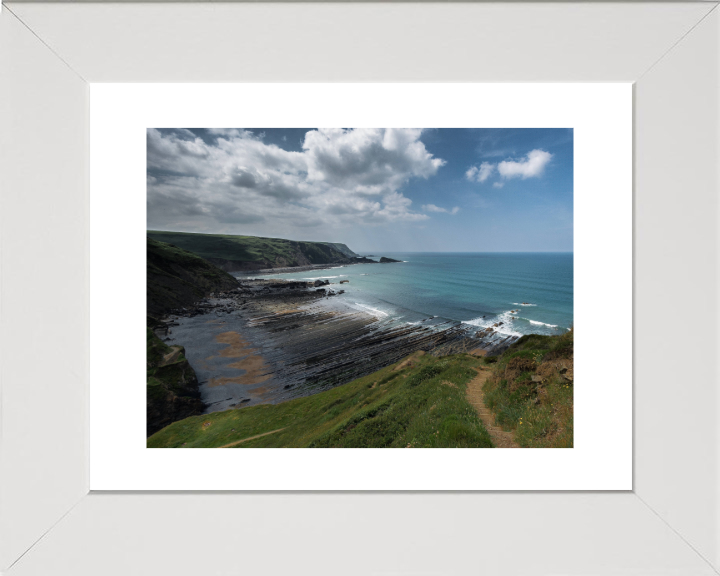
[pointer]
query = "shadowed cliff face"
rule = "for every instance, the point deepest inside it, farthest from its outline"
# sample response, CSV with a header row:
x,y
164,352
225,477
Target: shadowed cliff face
x,y
172,387
176,278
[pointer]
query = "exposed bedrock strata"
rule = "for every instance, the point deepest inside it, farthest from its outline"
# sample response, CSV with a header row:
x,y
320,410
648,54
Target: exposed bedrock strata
x,y
272,340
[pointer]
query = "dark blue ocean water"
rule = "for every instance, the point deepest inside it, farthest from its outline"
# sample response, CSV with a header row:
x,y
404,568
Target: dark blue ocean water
x,y
528,292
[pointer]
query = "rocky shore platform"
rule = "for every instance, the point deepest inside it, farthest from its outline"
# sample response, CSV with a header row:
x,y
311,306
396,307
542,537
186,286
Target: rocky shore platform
x,y
268,341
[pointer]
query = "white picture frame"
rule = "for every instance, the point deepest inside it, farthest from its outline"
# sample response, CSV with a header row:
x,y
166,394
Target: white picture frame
x,y
49,523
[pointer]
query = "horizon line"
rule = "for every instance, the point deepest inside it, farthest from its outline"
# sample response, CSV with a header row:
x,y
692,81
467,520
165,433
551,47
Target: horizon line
x,y
381,250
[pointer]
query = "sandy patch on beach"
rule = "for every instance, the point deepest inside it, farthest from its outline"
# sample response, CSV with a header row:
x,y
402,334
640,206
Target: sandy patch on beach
x,y
256,370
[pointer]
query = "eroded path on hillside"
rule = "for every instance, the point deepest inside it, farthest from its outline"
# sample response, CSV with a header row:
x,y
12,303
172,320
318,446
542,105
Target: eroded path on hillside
x,y
474,394
252,438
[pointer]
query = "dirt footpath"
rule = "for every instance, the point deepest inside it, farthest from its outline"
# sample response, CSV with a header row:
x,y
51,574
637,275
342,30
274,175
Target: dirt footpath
x,y
474,394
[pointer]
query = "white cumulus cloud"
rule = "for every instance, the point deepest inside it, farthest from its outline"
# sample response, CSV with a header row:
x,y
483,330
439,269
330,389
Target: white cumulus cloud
x,y
533,165
530,166
433,208
480,173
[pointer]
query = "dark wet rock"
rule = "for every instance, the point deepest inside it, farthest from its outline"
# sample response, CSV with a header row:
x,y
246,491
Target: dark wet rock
x,y
384,260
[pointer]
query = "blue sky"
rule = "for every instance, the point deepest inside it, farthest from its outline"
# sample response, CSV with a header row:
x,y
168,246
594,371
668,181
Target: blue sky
x,y
445,190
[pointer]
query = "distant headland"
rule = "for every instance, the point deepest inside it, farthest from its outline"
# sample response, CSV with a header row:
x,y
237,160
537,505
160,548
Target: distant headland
x,y
234,253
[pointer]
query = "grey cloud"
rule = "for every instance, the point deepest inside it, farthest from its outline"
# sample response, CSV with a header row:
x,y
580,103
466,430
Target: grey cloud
x,y
176,204
236,216
341,177
244,179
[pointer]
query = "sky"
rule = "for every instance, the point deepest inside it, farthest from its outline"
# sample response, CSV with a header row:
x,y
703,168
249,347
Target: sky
x,y
392,190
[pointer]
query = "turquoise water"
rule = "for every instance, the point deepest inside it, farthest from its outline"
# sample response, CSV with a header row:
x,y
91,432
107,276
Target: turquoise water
x,y
528,292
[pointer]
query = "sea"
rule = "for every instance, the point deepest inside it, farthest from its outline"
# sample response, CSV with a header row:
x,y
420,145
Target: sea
x,y
530,293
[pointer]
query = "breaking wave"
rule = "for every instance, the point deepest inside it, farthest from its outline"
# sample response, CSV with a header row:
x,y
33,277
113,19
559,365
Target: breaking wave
x,y
507,327
325,277
372,310
541,323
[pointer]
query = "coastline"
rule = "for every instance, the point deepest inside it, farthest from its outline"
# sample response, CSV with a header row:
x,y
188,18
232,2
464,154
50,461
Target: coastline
x,y
250,274
268,341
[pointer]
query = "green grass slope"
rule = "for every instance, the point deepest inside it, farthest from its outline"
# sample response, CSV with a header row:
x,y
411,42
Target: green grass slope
x,y
253,252
531,391
177,278
419,402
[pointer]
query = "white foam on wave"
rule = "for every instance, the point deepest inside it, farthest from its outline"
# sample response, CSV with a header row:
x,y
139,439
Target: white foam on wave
x,y
541,323
507,328
325,277
372,310
520,304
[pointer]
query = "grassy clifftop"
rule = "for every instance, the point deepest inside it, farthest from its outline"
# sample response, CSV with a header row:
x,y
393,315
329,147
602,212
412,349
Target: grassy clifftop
x,y
253,252
177,278
531,391
419,402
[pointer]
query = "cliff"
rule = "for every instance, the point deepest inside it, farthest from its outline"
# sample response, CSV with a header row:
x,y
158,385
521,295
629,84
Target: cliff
x,y
172,386
245,253
177,278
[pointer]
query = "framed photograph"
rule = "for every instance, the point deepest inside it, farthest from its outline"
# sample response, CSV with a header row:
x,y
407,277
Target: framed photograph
x,y
333,242
280,347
